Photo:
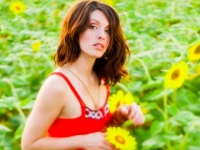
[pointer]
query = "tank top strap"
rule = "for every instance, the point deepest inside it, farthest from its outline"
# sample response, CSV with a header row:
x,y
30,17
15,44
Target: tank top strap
x,y
71,87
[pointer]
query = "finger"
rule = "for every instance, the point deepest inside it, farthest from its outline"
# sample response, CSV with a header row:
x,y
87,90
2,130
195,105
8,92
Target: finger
x,y
142,118
135,115
124,110
133,111
139,117
102,134
108,146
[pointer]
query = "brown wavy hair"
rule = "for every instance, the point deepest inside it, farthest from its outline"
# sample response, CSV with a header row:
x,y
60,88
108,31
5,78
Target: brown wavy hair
x,y
75,22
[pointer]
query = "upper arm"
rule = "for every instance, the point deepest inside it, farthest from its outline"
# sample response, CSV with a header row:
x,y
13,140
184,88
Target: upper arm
x,y
47,107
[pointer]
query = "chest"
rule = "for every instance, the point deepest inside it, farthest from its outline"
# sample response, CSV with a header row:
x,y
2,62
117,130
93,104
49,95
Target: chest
x,y
76,100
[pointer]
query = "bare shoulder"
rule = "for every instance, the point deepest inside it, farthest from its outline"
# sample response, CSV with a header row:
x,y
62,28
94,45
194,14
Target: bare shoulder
x,y
54,83
53,91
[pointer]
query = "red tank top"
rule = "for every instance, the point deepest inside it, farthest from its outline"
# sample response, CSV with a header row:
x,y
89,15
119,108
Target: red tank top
x,y
89,121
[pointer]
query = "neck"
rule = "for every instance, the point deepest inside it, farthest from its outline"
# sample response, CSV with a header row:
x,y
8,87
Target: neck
x,y
83,66
82,70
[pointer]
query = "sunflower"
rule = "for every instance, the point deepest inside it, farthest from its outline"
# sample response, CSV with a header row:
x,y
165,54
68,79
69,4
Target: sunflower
x,y
120,138
194,52
36,46
176,75
195,74
17,7
109,2
115,100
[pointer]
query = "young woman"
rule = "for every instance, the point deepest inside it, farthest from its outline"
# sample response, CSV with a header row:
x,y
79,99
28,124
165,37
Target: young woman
x,y
71,110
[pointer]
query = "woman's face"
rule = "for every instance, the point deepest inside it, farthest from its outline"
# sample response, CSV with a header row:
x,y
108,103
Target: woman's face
x,y
94,40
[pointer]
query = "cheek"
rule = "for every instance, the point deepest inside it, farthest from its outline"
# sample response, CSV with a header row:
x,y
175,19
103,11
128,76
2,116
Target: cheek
x,y
85,37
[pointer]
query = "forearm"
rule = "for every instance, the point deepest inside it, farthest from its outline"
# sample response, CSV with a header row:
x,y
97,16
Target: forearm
x,y
51,143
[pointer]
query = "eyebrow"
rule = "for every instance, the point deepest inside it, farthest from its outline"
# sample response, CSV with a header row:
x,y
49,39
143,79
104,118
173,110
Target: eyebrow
x,y
97,21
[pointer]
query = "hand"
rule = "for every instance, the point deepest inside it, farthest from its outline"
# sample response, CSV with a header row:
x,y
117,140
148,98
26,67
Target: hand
x,y
97,141
132,112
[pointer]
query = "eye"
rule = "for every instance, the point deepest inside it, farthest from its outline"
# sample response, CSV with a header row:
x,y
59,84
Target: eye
x,y
93,27
107,31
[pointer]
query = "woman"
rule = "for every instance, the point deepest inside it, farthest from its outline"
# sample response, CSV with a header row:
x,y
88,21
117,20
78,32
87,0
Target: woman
x,y
71,110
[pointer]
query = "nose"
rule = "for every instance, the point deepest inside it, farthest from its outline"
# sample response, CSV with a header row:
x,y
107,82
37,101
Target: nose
x,y
101,34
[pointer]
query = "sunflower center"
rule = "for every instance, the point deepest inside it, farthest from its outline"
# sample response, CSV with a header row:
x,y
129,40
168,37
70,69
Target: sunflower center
x,y
17,8
197,50
175,74
120,139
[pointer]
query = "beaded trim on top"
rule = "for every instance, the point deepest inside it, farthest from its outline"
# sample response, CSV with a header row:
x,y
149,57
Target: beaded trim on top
x,y
97,114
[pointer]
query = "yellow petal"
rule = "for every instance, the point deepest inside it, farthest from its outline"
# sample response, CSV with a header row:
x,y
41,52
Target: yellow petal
x,y
36,46
176,75
120,94
17,7
194,52
128,99
120,138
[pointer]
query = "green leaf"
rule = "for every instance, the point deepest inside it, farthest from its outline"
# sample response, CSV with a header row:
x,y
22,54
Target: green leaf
x,y
154,95
134,86
154,142
157,127
184,117
193,147
185,97
4,128
26,104
172,137
194,107
18,132
148,117
8,102
151,85
172,109
19,80
193,128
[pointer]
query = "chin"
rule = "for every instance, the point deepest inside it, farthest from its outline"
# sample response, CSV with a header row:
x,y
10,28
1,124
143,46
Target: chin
x,y
99,56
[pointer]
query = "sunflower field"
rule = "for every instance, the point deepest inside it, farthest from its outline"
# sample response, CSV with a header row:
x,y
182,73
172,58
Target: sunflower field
x,y
164,68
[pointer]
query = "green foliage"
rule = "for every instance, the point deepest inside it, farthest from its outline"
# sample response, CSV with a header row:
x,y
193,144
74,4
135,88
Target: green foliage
x,y
159,33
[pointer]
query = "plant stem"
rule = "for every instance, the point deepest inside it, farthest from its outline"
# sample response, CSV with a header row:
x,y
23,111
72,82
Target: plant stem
x,y
182,147
165,109
123,87
16,103
168,144
174,97
23,117
145,69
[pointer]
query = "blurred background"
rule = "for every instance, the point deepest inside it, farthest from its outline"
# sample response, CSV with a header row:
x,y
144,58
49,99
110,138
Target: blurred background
x,y
164,66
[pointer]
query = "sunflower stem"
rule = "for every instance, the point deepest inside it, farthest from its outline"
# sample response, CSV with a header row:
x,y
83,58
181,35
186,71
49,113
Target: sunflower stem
x,y
182,147
161,111
145,69
174,96
165,109
168,144
123,87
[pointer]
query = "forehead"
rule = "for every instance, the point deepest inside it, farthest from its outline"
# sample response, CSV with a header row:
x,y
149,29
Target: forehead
x,y
99,16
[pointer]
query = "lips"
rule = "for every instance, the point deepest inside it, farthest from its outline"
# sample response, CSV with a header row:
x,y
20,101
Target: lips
x,y
98,46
